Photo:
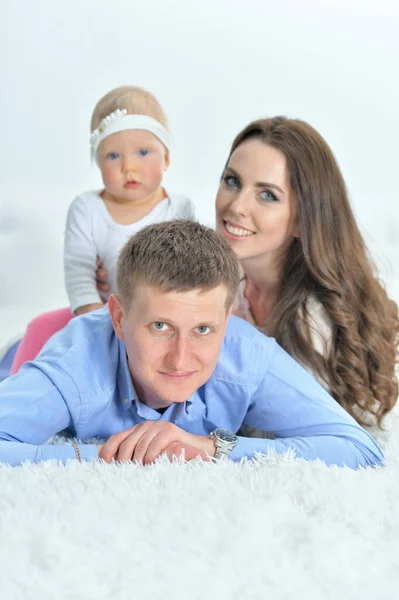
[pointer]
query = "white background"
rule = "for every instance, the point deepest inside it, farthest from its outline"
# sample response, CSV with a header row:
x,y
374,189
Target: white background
x,y
214,65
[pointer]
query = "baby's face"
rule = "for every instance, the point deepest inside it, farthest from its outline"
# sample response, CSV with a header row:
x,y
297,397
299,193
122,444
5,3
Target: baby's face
x,y
132,164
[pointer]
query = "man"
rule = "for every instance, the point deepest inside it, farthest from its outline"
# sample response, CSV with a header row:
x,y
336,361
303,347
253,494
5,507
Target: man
x,y
164,368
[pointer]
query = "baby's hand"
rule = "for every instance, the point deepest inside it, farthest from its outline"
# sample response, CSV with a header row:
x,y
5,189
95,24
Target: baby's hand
x,y
101,277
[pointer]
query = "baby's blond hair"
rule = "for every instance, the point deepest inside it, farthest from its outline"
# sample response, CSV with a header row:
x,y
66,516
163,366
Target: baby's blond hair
x,y
136,100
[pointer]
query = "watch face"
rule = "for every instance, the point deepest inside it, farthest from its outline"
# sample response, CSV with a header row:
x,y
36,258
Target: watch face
x,y
225,436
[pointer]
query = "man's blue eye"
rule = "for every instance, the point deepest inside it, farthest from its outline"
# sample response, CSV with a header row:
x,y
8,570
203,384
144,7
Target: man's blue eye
x,y
113,155
143,152
203,329
158,325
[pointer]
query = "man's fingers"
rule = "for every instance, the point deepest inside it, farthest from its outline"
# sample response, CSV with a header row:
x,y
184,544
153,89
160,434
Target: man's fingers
x,y
144,442
154,448
180,450
166,434
111,447
135,446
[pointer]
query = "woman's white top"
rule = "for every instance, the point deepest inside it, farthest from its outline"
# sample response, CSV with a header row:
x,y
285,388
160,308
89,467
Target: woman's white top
x,y
320,331
91,232
319,322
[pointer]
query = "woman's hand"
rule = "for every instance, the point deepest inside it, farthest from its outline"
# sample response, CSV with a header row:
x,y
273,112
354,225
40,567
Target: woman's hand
x,y
102,286
101,277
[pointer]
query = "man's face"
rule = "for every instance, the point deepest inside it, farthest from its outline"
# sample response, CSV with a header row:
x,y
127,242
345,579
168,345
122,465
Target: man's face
x,y
172,339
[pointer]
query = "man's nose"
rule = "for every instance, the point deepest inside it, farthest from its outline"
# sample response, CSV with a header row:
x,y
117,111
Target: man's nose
x,y
178,352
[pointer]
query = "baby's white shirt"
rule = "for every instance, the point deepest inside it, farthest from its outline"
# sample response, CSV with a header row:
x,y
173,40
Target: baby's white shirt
x,y
91,232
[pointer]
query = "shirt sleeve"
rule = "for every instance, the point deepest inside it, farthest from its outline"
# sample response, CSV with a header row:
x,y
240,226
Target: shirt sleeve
x,y
305,419
80,255
28,418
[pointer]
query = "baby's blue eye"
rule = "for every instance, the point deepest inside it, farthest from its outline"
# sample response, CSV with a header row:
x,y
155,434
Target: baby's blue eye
x,y
113,155
143,152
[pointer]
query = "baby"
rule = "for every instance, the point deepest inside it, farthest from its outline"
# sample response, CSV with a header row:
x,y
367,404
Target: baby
x,y
130,144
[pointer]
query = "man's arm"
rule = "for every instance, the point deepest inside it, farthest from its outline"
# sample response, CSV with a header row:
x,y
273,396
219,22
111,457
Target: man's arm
x,y
32,409
304,418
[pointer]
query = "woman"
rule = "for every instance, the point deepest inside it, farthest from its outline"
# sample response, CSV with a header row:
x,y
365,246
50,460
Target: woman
x,y
307,279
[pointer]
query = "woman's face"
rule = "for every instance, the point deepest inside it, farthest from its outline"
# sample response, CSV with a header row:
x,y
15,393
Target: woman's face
x,y
255,207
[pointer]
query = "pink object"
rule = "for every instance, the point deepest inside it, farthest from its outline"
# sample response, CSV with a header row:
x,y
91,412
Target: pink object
x,y
39,330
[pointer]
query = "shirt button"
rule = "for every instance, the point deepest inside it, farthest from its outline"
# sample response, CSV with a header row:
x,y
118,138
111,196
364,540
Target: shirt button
x,y
126,400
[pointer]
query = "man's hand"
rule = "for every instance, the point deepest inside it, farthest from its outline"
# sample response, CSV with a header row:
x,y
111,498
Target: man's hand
x,y
180,450
145,442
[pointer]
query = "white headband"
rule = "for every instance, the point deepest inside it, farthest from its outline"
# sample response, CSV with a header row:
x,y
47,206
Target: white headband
x,y
119,120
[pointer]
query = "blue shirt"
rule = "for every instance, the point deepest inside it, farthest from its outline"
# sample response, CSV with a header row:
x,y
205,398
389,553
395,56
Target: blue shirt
x,y
81,382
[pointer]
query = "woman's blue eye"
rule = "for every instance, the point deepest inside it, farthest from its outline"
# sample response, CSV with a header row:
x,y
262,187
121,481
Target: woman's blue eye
x,y
231,181
268,196
113,155
143,152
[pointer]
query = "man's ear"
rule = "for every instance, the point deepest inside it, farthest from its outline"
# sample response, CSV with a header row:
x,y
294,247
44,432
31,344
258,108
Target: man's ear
x,y
115,307
228,313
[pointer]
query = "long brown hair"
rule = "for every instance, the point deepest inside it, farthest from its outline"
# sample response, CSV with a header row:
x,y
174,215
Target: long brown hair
x,y
331,263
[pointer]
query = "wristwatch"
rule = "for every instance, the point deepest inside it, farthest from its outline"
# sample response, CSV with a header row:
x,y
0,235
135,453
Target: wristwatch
x,y
224,440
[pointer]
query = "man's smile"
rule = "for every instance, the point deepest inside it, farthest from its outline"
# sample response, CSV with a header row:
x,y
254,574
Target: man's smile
x,y
176,376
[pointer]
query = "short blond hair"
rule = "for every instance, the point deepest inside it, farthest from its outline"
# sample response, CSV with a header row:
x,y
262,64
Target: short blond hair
x,y
135,100
177,256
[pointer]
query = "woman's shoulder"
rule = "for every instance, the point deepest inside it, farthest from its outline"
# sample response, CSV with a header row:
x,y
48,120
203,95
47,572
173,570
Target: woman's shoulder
x,y
320,325
316,310
241,306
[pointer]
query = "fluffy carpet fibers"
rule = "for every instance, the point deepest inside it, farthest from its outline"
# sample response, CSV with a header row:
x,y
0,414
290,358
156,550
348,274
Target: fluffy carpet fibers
x,y
276,528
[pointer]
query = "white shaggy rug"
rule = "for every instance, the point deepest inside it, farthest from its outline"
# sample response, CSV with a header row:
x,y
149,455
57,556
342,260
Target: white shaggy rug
x,y
277,528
